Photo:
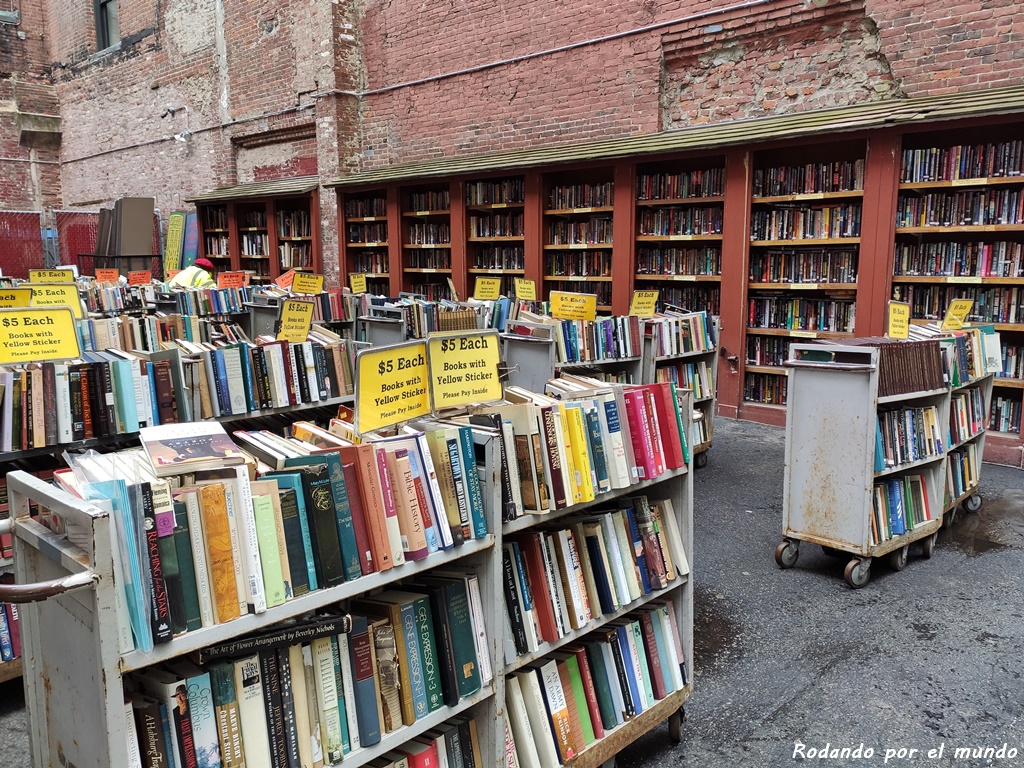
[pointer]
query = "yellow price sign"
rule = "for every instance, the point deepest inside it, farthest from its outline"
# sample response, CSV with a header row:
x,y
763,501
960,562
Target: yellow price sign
x,y
451,287
464,368
296,317
357,281
573,306
51,275
57,296
526,289
487,289
643,303
15,297
957,313
391,385
306,282
32,335
899,320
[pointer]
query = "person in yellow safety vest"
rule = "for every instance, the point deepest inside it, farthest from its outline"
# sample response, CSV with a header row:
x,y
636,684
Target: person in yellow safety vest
x,y
199,275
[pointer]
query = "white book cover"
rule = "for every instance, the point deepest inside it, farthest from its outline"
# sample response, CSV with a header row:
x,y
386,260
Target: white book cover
x,y
611,543
537,713
295,372
672,535
578,611
348,691
252,566
519,722
300,697
476,605
626,550
311,378
251,711
511,753
661,614
312,735
613,681
509,437
195,531
275,363
8,409
132,736
236,382
327,700
62,400
210,371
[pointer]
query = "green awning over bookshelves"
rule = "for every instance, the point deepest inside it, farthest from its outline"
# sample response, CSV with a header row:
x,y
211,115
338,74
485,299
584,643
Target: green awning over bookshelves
x,y
877,114
275,188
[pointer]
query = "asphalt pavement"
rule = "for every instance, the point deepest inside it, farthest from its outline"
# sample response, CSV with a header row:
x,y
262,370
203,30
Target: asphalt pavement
x,y
793,662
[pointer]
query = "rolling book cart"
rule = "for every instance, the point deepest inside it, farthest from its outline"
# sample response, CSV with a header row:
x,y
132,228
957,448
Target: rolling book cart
x,y
72,633
832,436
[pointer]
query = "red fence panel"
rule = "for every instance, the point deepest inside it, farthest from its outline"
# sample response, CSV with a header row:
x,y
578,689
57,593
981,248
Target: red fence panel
x,y
76,234
21,242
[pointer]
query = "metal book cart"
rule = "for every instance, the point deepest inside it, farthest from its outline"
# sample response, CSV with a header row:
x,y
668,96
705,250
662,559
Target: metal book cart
x,y
830,460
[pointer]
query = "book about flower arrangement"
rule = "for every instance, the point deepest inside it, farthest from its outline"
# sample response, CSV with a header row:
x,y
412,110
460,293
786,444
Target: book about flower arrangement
x,y
177,448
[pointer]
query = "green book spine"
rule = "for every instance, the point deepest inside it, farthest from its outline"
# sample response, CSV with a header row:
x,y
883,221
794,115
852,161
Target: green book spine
x,y
186,568
342,508
428,653
573,665
225,707
270,554
599,673
645,672
684,438
467,670
346,744
478,516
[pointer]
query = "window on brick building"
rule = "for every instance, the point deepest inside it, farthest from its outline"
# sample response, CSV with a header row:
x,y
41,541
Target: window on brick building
x,y
107,33
9,12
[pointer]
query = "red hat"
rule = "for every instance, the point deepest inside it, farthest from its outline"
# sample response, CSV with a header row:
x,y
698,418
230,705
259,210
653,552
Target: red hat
x,y
204,263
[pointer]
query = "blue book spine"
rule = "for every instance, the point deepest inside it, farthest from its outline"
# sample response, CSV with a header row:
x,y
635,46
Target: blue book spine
x,y
415,659
478,518
639,701
155,420
430,531
597,456
662,648
295,483
361,658
517,559
604,592
896,520
127,406
638,548
6,646
223,397
165,722
250,381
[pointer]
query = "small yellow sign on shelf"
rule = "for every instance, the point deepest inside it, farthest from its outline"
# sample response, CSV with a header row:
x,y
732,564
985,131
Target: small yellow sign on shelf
x,y
15,297
464,368
573,306
957,313
643,303
296,317
391,385
487,289
32,335
55,295
899,320
51,275
308,283
526,289
357,281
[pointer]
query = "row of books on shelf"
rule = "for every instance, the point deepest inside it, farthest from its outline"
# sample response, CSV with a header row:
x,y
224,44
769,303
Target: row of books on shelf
x,y
563,703
963,471
428,233
117,392
680,220
368,232
702,260
906,435
675,332
960,259
806,222
497,191
694,297
811,178
583,341
976,207
567,196
499,257
899,505
832,315
114,297
966,414
697,377
765,388
428,259
805,266
962,161
767,350
430,200
1013,362
995,304
578,264
320,689
597,230
965,355
497,225
709,182
212,301
563,578
1005,415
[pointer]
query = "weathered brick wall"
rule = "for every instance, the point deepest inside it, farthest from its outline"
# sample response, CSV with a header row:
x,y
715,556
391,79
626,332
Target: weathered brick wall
x,y
774,57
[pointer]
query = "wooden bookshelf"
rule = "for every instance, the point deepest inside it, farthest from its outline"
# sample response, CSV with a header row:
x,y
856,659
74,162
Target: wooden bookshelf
x,y
960,234
426,240
365,244
496,229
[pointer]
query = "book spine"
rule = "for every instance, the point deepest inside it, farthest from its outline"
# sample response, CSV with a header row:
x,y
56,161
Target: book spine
x,y
274,707
160,611
291,733
229,726
461,496
357,517
361,658
478,515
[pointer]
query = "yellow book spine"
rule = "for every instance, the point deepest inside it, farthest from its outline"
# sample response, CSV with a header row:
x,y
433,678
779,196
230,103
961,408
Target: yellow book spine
x,y
218,552
580,453
566,446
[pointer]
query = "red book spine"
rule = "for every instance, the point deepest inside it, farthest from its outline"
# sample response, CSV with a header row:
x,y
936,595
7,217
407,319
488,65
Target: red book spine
x,y
355,502
14,628
529,545
653,658
654,429
665,404
588,690
640,433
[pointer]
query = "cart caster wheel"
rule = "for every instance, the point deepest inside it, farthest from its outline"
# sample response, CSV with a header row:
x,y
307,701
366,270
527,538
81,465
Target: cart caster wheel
x,y
786,553
898,558
928,544
973,502
857,573
609,763
838,554
675,726
700,460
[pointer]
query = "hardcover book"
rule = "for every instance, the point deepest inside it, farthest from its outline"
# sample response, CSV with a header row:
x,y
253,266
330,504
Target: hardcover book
x,y
174,449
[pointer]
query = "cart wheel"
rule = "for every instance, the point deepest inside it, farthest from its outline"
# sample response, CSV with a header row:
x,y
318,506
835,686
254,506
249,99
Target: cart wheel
x,y
973,502
858,572
928,544
675,726
786,553
609,763
838,554
898,558
701,460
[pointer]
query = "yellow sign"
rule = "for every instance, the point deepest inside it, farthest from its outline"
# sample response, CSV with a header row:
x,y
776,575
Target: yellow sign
x,y
464,368
15,297
957,314
526,289
175,237
107,275
899,320
357,280
451,287
296,317
573,306
306,282
487,289
51,275
391,385
57,296
35,335
643,303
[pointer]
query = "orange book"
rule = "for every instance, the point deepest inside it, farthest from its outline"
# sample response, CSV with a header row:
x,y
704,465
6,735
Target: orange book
x,y
368,488
410,515
219,560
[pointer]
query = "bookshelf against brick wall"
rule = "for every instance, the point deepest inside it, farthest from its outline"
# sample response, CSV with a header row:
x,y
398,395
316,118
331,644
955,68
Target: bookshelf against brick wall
x,y
679,232
365,238
578,234
804,249
427,240
960,234
495,235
